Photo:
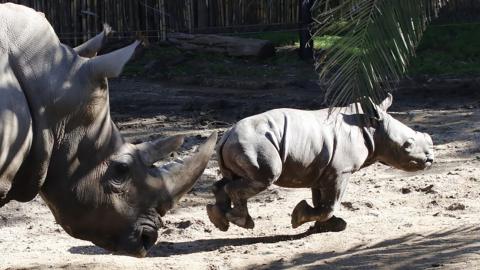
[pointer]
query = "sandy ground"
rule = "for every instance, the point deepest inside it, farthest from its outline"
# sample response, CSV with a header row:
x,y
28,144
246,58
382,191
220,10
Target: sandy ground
x,y
396,220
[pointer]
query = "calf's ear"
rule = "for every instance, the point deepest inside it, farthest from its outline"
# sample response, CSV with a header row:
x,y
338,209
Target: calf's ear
x,y
386,103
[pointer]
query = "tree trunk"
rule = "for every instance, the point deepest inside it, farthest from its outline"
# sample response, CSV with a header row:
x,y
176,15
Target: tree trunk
x,y
305,21
232,46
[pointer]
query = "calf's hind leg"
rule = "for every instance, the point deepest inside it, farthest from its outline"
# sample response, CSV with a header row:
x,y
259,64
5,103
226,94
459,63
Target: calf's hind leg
x,y
216,212
239,191
257,165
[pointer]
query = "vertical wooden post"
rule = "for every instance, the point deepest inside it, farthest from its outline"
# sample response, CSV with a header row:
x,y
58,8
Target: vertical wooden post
x,y
84,20
202,14
163,28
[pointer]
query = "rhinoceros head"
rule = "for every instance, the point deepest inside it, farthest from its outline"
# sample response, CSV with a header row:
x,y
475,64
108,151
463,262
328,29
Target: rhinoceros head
x,y
398,145
117,204
99,187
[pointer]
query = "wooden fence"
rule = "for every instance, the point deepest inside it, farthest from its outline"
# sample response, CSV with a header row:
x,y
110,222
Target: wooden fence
x,y
460,11
78,20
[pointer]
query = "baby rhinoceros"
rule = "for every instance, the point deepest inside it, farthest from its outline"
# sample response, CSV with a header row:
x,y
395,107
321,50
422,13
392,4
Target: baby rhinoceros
x,y
309,149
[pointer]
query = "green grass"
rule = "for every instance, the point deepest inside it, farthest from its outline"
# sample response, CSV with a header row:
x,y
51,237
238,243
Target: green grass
x,y
452,50
278,38
285,64
444,50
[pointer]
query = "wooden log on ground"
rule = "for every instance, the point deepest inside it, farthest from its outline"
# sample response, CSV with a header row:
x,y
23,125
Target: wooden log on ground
x,y
232,46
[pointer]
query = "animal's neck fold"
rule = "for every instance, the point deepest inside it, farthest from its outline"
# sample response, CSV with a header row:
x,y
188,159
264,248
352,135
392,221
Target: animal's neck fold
x,y
370,143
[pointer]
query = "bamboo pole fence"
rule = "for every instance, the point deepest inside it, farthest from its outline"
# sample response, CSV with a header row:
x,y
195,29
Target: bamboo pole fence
x,y
77,20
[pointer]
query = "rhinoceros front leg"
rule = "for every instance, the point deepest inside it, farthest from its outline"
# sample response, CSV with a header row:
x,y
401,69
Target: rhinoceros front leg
x,y
333,224
325,200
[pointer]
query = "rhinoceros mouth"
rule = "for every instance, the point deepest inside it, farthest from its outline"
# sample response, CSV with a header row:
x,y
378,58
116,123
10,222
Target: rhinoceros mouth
x,y
415,165
146,233
138,243
149,237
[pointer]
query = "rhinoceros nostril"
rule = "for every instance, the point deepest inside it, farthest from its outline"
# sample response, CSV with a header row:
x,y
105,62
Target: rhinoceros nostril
x,y
429,160
149,237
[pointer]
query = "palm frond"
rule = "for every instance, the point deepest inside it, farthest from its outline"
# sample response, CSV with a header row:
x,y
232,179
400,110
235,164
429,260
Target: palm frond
x,y
374,41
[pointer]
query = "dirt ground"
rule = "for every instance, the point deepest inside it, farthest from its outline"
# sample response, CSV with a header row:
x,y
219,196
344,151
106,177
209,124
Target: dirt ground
x,y
396,220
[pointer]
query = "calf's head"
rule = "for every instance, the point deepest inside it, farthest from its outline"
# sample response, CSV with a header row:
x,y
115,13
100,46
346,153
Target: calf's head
x,y
99,187
398,145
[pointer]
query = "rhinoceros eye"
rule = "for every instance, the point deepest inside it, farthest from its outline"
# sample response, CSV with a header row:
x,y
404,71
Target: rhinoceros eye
x,y
121,168
118,179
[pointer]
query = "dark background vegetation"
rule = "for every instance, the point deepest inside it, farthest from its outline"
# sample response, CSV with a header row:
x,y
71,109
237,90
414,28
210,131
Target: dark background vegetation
x,y
450,47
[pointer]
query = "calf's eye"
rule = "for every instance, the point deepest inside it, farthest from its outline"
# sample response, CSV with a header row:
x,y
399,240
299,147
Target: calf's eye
x,y
408,145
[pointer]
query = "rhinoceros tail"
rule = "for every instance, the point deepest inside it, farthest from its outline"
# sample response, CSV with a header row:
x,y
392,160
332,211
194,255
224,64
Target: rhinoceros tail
x,y
219,148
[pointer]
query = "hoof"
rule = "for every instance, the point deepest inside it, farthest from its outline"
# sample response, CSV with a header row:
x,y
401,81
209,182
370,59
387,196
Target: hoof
x,y
217,217
298,214
244,221
334,224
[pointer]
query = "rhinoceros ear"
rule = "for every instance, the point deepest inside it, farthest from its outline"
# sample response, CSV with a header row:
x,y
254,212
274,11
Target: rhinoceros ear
x,y
111,65
90,48
153,151
386,103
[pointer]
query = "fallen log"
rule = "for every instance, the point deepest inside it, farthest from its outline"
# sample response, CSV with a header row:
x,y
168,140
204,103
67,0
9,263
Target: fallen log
x,y
232,46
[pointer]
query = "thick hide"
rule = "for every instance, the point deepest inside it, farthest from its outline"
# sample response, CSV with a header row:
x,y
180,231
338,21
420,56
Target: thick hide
x,y
309,149
57,139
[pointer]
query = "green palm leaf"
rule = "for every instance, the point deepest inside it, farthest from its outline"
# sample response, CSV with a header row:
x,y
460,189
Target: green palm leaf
x,y
374,40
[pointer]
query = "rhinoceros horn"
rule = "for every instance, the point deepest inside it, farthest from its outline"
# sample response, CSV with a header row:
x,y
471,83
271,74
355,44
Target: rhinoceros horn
x,y
175,179
91,47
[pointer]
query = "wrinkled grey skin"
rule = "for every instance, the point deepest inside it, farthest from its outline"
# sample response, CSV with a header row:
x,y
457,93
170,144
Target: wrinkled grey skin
x,y
308,149
57,139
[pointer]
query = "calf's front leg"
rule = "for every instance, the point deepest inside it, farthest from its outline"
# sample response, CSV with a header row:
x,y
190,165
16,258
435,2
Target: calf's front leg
x,y
325,201
333,224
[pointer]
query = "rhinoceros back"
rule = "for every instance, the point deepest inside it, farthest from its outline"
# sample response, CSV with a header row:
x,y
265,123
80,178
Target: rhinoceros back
x,y
24,31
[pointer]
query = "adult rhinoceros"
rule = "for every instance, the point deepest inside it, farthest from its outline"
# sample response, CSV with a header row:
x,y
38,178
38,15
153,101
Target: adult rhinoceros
x,y
57,139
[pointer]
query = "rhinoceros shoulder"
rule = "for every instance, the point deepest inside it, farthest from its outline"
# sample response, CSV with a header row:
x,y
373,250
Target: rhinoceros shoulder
x,y
15,128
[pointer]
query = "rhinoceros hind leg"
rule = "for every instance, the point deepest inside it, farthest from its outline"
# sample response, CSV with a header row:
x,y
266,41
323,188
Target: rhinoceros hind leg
x,y
334,224
239,217
217,217
239,191
221,197
216,213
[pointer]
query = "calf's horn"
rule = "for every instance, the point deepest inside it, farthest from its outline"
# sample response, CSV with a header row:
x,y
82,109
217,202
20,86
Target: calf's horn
x,y
175,179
